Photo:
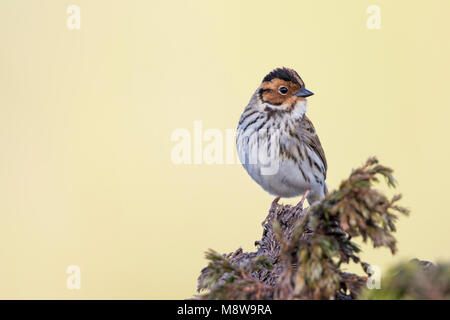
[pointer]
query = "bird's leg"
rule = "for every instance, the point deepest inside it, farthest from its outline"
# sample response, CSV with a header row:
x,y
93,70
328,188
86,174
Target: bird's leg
x,y
275,201
300,204
272,210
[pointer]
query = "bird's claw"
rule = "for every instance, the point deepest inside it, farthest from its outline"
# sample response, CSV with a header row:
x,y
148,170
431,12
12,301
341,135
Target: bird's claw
x,y
300,204
269,216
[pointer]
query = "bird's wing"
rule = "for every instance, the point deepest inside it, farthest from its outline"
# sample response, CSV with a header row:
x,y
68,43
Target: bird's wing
x,y
310,137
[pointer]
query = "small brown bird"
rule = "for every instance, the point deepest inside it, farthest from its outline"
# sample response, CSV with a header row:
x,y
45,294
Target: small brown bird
x,y
277,143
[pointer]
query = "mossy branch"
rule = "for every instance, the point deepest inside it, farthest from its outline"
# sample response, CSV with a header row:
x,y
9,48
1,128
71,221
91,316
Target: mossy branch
x,y
301,252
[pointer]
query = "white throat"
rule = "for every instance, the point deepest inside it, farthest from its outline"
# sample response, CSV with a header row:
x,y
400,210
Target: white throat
x,y
297,112
299,109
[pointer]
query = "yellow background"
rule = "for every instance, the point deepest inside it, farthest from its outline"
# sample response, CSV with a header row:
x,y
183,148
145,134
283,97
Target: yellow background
x,y
86,116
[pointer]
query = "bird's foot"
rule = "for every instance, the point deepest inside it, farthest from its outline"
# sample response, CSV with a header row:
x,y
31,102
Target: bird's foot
x,y
300,204
275,201
272,209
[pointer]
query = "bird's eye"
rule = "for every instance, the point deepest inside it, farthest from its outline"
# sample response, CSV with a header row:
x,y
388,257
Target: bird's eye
x,y
283,90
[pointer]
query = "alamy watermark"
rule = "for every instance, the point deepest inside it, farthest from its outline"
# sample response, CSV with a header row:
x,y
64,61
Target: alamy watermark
x,y
374,19
73,281
73,21
374,279
214,146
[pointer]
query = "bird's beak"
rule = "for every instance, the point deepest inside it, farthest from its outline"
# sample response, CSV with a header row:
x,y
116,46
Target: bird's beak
x,y
303,92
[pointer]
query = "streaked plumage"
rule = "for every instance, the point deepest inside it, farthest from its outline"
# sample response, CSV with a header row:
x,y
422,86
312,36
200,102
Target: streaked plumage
x,y
277,143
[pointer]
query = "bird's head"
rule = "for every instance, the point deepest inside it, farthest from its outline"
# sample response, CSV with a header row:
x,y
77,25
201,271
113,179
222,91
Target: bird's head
x,y
283,89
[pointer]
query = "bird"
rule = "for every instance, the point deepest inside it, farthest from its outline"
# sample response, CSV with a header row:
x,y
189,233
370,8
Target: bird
x,y
277,143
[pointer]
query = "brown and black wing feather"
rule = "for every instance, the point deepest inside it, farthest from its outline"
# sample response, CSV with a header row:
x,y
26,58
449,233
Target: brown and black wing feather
x,y
311,139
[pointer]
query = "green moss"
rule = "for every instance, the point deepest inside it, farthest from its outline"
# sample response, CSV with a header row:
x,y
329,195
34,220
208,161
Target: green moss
x,y
302,250
416,280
